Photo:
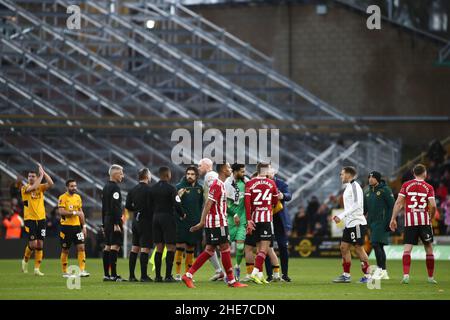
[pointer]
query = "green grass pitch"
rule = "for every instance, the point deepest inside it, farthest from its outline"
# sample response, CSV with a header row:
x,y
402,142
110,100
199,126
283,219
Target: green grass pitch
x,y
311,280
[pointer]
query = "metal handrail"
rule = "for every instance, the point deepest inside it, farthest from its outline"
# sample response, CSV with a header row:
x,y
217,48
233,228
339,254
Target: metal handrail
x,y
130,79
258,67
419,157
226,34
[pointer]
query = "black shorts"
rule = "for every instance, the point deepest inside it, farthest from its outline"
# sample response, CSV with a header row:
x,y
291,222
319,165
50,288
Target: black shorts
x,y
113,238
69,235
263,231
412,234
217,236
164,229
250,240
35,229
355,235
185,236
142,233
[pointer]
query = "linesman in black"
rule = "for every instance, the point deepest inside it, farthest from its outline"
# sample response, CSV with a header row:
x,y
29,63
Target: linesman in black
x,y
165,201
112,222
138,202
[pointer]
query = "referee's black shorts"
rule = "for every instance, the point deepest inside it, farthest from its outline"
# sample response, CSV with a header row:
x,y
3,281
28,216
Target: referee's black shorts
x,y
164,228
113,238
142,233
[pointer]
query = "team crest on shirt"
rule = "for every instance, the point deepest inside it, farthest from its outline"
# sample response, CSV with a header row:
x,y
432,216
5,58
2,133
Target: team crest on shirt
x,y
71,207
35,195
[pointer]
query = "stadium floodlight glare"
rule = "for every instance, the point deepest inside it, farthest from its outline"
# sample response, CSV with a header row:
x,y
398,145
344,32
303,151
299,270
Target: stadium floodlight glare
x,y
150,24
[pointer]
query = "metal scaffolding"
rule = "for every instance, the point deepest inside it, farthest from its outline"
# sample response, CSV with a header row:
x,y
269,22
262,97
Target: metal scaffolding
x,y
114,90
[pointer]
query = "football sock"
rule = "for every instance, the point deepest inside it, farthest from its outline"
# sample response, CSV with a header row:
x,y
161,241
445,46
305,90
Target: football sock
x,y
259,260
365,267
158,262
189,259
113,262
430,264
132,263
38,255
227,264
201,259
178,259
406,262
276,269
144,264
346,266
106,263
249,267
81,260
28,252
169,263
64,261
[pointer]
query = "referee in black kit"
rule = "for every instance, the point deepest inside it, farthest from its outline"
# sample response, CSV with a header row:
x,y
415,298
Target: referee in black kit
x,y
112,222
165,201
138,202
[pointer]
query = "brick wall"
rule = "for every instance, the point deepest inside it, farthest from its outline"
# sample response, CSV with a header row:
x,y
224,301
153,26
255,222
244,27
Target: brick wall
x,y
361,72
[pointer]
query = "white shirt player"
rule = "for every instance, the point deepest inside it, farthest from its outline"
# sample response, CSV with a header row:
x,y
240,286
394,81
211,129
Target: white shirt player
x,y
353,214
210,176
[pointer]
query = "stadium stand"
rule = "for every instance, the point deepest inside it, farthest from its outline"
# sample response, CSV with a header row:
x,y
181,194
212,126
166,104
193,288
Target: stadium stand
x,y
115,89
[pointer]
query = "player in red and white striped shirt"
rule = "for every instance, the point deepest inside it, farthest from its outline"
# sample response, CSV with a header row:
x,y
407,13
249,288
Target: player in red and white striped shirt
x,y
261,194
417,197
214,219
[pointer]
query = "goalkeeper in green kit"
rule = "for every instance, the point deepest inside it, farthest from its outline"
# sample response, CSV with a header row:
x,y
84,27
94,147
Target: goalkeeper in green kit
x,y
237,221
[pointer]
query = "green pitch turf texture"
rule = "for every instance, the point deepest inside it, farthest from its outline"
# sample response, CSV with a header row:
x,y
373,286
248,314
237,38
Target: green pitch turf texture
x,y
311,280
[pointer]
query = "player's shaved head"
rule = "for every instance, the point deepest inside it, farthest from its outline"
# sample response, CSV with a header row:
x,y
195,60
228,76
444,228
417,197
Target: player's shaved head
x,y
204,166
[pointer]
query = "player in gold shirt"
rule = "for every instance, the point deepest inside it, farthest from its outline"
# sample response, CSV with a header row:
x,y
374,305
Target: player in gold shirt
x,y
73,227
34,216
